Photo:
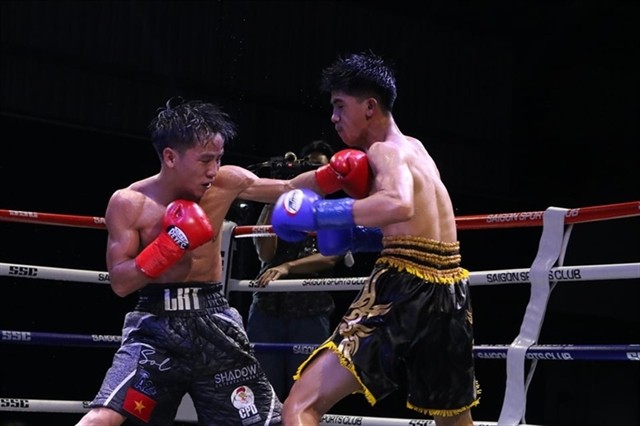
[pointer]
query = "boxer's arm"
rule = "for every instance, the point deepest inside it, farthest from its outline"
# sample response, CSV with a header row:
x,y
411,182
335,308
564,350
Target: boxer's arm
x,y
393,198
246,185
236,182
123,242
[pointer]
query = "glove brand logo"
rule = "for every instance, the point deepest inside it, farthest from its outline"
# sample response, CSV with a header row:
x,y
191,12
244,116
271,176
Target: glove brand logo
x,y
178,237
293,201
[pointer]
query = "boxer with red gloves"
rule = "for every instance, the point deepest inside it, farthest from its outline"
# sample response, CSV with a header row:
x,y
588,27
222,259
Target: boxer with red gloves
x,y
185,226
347,170
162,247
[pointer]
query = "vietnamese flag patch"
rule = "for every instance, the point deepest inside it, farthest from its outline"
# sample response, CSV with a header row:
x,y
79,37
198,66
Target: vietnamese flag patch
x,y
139,404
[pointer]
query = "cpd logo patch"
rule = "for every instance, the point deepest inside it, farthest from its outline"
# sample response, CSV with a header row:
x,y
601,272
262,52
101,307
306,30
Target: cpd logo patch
x,y
243,399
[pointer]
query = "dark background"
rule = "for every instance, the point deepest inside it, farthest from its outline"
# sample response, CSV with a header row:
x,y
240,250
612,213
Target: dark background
x,y
523,104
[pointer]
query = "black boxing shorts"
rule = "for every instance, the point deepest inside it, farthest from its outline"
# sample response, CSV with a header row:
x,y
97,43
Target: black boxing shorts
x,y
187,339
410,327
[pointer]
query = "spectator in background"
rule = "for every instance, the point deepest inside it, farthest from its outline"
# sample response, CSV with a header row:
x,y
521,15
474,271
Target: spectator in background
x,y
290,317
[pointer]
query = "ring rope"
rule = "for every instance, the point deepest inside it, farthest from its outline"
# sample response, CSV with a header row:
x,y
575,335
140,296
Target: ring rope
x,y
52,219
62,406
570,352
488,221
613,271
542,275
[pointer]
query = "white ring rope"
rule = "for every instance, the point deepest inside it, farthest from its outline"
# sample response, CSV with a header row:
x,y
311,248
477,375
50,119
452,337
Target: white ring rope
x,y
58,406
542,275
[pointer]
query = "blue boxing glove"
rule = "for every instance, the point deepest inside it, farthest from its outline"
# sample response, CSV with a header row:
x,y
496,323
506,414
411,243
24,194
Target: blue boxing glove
x,y
293,215
301,211
358,239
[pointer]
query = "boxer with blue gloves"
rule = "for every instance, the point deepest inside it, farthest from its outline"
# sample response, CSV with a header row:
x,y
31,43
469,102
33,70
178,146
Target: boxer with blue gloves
x,y
410,327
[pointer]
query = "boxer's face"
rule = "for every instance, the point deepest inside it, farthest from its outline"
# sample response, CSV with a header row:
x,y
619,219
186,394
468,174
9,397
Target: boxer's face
x,y
349,116
197,167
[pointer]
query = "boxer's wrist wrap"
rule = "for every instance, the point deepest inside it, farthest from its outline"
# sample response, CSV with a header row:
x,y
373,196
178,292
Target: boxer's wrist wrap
x,y
334,214
366,239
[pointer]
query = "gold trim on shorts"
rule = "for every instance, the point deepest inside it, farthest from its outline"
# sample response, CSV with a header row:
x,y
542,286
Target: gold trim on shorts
x,y
447,413
435,261
344,362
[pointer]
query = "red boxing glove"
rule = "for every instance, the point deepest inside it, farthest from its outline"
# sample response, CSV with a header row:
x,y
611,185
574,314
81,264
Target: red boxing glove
x,y
185,226
348,170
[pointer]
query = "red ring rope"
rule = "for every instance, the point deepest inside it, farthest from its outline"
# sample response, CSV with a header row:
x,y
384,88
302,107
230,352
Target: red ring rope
x,y
487,221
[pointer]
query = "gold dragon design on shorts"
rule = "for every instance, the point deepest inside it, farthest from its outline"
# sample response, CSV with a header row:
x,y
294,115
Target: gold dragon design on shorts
x,y
363,307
